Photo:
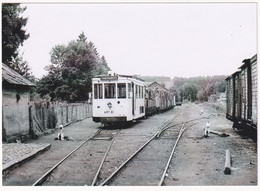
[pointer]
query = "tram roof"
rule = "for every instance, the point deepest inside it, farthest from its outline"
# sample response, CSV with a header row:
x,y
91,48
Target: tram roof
x,y
119,75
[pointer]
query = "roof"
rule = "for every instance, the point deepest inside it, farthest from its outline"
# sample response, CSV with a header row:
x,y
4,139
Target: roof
x,y
246,63
13,77
156,83
119,75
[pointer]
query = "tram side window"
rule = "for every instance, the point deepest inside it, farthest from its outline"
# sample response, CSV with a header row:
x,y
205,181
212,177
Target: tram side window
x,y
121,90
98,91
129,90
136,92
110,91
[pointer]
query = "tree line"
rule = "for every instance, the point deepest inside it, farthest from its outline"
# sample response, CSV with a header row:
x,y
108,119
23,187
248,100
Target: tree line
x,y
198,88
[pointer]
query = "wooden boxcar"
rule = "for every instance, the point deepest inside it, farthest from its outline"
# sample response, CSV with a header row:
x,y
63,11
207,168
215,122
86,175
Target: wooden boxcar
x,y
234,97
241,96
230,97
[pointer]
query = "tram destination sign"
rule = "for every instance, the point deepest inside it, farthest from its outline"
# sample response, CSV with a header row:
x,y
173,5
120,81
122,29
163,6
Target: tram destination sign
x,y
109,78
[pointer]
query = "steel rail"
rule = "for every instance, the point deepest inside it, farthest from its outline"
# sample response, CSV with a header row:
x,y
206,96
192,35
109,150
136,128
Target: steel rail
x,y
40,181
174,147
170,158
137,151
180,123
133,155
102,162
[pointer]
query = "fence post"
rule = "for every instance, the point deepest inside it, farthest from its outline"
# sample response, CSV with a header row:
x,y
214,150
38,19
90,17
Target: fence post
x,y
62,115
67,114
76,112
30,121
43,117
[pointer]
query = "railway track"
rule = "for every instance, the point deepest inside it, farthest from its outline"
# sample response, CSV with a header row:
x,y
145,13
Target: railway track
x,y
123,175
98,136
164,131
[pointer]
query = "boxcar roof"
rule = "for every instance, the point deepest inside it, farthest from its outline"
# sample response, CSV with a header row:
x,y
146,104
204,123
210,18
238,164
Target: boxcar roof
x,y
13,77
246,63
237,72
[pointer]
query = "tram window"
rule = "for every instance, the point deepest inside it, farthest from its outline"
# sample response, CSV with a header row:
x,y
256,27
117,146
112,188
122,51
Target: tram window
x,y
121,90
129,90
110,90
98,91
136,93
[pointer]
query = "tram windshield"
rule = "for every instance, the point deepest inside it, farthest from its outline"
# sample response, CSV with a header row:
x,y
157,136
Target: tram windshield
x,y
110,90
121,90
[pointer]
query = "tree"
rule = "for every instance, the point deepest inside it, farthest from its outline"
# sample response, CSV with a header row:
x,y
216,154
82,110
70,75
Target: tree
x,y
22,67
190,92
71,70
13,34
204,86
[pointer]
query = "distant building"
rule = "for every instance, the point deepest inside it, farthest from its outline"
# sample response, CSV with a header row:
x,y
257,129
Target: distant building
x,y
162,80
162,96
15,104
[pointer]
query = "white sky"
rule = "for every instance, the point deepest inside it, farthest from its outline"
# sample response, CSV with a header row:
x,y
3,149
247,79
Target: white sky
x,y
174,39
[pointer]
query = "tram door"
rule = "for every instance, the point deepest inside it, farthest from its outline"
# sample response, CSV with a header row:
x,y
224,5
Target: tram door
x,y
133,99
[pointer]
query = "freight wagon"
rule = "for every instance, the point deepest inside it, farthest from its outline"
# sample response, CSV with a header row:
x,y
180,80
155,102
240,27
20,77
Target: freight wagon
x,y
241,89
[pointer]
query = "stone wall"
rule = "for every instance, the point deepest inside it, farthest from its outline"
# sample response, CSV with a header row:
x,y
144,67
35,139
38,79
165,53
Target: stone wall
x,y
15,113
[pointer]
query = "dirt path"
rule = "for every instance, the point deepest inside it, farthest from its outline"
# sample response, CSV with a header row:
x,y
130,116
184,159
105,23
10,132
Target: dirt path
x,y
200,161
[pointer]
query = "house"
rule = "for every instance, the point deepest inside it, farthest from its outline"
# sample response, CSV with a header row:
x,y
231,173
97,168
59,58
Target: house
x,y
162,96
15,105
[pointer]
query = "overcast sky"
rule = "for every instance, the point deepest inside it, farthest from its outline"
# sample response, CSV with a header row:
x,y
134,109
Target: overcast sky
x,y
181,39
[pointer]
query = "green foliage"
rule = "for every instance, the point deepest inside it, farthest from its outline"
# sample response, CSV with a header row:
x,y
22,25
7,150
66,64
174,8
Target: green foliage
x,y
198,88
189,92
22,67
13,34
70,74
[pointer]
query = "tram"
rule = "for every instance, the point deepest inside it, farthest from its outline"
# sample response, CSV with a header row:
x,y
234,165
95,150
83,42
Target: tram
x,y
118,98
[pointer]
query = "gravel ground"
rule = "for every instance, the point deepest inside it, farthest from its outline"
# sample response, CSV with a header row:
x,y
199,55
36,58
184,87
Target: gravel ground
x,y
17,151
200,161
197,160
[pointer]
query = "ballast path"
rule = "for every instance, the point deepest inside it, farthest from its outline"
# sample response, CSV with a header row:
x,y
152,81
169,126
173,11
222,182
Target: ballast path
x,y
108,179
102,162
45,176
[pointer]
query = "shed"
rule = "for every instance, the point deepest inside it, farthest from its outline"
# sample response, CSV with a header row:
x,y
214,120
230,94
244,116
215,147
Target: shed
x,y
15,105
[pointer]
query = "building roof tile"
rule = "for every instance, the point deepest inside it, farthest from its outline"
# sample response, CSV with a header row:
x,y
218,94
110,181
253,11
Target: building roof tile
x,y
13,77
